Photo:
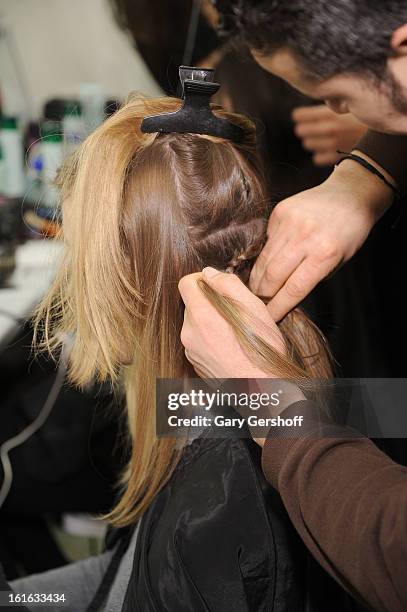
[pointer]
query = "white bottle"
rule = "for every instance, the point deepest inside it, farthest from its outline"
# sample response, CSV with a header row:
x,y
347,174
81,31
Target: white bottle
x,y
52,157
72,126
92,100
11,142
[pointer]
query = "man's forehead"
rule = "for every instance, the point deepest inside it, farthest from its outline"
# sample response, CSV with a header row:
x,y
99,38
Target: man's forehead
x,y
284,64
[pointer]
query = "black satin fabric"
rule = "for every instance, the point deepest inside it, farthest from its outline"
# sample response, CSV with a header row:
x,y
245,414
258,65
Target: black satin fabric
x,y
218,539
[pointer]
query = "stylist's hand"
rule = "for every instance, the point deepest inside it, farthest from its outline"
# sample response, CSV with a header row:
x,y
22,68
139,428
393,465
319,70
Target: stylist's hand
x,y
210,343
312,233
324,132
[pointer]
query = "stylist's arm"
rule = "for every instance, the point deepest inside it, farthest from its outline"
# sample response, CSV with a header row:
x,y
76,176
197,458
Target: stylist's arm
x,y
347,500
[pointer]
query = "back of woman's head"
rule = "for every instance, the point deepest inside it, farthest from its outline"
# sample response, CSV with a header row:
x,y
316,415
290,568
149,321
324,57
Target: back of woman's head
x,y
139,212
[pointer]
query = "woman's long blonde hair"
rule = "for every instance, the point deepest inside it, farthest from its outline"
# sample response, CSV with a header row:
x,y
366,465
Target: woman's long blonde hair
x,y
139,212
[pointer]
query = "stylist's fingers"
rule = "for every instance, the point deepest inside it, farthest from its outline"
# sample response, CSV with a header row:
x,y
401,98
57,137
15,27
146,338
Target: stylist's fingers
x,y
277,238
190,333
319,129
273,267
301,282
311,113
319,143
230,285
260,320
279,256
188,288
324,132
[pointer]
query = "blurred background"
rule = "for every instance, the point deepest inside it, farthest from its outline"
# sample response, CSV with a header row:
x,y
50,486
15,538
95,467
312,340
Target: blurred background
x,y
65,66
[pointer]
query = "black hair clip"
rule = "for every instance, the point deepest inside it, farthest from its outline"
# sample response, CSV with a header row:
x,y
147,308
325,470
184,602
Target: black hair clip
x,y
195,116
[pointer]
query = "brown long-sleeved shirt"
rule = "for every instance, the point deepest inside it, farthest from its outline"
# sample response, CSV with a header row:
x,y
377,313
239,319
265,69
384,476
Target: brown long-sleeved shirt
x,y
346,498
348,501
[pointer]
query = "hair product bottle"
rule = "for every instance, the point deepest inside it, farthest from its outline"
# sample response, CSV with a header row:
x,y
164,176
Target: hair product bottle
x,y
72,126
93,103
52,156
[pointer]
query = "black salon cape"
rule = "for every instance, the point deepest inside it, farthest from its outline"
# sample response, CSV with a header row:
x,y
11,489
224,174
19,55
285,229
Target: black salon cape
x,y
218,539
215,539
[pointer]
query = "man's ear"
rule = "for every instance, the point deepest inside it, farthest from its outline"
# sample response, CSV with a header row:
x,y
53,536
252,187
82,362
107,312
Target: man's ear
x,y
398,40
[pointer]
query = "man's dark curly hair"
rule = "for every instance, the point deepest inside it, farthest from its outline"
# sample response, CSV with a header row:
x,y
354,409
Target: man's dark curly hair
x,y
327,37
